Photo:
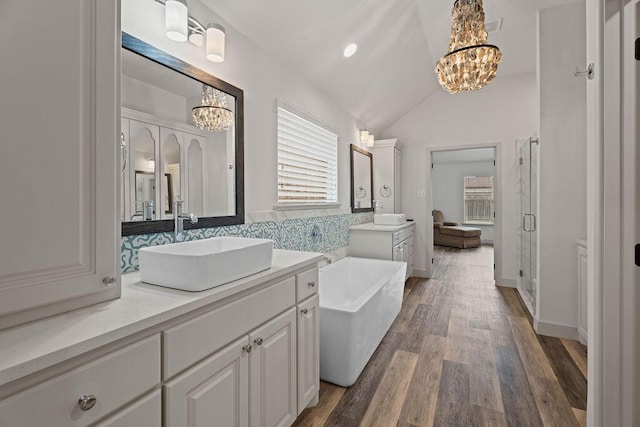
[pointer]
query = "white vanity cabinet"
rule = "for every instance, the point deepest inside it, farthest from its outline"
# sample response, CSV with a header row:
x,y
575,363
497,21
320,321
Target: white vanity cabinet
x,y
245,354
58,166
388,242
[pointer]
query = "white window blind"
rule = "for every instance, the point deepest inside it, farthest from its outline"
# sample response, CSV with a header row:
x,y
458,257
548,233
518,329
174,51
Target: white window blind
x,y
307,161
478,199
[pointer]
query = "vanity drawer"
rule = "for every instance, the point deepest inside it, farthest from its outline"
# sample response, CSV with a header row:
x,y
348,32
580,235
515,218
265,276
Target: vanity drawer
x,y
197,338
114,380
402,235
146,412
307,283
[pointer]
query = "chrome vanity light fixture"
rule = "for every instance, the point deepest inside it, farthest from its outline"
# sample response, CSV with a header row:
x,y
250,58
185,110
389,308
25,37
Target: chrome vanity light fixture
x,y
470,63
182,27
213,115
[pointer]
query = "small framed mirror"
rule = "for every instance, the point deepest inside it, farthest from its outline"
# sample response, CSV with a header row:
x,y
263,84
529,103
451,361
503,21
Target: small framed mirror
x,y
361,180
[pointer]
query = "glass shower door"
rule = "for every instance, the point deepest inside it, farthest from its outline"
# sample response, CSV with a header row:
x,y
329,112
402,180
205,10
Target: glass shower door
x,y
528,151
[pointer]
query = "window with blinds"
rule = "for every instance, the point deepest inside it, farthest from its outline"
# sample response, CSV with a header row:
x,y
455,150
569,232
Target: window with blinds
x,y
307,161
478,200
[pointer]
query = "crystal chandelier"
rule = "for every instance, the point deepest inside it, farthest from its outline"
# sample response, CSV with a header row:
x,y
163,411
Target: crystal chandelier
x,y
213,115
470,63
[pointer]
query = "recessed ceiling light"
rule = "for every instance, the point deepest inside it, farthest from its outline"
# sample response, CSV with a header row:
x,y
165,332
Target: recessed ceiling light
x,y
350,50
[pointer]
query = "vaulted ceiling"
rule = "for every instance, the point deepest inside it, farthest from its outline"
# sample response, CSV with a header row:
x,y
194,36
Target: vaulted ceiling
x,y
399,42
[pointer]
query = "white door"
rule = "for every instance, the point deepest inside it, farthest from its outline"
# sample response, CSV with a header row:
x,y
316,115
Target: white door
x,y
60,127
215,392
308,351
273,396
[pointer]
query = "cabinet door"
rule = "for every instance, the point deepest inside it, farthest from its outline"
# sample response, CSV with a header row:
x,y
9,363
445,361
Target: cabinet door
x,y
308,351
214,392
273,373
58,162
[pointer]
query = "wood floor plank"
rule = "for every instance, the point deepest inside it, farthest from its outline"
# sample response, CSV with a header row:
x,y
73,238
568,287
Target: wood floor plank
x,y
420,404
533,357
437,320
388,400
578,353
418,325
483,417
571,379
515,307
356,399
519,403
329,397
453,407
581,416
434,292
552,402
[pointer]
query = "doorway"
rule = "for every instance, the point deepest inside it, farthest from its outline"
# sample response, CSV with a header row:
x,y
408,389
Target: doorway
x,y
464,189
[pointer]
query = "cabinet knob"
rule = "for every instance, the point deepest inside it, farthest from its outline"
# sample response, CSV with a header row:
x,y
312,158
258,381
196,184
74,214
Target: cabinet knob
x,y
109,280
312,284
304,311
258,341
247,348
87,402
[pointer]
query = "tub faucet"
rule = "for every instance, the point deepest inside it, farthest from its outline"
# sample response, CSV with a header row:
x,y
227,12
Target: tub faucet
x,y
178,221
327,259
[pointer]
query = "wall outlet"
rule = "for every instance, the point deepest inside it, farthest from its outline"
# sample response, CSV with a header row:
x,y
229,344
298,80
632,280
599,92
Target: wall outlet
x,y
422,194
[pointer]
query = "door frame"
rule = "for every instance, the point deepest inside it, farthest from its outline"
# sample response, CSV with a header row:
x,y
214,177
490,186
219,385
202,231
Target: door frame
x,y
613,165
497,243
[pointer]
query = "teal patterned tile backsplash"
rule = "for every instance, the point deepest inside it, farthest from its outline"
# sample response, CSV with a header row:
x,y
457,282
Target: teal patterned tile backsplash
x,y
292,234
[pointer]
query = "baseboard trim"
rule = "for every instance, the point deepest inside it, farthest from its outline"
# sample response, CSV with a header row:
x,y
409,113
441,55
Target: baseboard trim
x,y
582,336
507,283
420,273
555,329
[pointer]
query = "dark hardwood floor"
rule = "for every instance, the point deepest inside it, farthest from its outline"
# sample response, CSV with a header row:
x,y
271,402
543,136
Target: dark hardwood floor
x,y
462,352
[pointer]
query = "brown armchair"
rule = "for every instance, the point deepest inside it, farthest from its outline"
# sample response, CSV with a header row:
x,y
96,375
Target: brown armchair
x,y
446,233
438,220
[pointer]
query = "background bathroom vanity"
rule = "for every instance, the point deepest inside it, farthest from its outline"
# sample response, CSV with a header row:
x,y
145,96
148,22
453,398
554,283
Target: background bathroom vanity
x,y
390,242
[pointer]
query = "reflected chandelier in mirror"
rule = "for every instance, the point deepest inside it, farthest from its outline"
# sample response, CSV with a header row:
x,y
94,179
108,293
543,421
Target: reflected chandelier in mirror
x,y
182,140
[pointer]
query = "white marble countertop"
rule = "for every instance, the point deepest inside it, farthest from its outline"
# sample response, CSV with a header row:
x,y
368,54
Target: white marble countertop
x,y
370,226
29,348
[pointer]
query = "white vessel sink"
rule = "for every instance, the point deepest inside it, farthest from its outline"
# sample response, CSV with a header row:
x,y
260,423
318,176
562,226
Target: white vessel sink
x,y
389,219
204,264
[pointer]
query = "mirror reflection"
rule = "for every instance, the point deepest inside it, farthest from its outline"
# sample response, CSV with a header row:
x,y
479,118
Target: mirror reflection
x,y
361,180
179,138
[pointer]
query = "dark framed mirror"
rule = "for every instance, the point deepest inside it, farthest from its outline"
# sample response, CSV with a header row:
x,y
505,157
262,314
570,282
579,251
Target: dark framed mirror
x,y
361,180
184,129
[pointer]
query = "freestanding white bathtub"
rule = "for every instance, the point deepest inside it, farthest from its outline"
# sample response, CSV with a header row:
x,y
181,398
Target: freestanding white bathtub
x,y
359,300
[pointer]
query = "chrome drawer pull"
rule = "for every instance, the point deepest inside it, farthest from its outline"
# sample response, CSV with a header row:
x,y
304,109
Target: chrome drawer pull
x,y
247,348
312,284
304,311
87,402
258,341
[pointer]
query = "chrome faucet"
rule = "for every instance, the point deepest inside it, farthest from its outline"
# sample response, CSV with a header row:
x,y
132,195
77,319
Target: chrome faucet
x,y
178,221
